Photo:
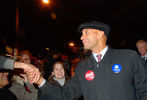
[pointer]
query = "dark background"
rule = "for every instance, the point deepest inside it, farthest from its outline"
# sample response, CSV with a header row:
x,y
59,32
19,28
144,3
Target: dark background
x,y
38,30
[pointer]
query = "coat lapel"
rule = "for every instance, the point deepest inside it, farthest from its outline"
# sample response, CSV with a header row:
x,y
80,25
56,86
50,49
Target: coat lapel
x,y
91,61
107,59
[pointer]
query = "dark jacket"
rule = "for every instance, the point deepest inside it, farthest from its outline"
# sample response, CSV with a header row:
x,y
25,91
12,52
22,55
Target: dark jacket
x,y
5,94
119,76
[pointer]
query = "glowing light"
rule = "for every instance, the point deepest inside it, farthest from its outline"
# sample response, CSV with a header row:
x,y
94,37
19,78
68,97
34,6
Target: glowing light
x,y
53,16
45,1
71,44
47,49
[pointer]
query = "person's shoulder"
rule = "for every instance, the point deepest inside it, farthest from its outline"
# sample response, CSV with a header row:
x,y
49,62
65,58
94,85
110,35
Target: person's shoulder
x,y
125,51
82,63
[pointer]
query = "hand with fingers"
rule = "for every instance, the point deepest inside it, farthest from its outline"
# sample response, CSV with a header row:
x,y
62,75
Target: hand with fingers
x,y
32,72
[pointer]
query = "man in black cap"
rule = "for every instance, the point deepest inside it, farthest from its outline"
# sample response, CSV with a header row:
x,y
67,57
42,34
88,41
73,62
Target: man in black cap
x,y
108,74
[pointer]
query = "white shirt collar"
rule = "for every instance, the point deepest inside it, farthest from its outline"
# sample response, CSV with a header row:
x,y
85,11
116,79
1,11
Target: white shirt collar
x,y
145,56
102,53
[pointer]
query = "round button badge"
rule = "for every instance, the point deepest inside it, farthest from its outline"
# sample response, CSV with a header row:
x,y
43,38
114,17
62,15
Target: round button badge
x,y
116,68
89,75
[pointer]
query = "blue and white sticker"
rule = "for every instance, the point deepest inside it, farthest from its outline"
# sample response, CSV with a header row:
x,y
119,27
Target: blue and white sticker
x,y
116,68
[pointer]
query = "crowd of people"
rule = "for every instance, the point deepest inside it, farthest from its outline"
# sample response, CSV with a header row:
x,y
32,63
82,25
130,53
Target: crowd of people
x,y
103,73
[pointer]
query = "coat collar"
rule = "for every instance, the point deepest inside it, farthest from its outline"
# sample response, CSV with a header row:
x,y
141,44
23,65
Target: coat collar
x,y
106,59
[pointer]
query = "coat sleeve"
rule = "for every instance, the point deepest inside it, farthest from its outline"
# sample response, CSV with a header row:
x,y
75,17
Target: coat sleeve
x,y
140,77
6,63
70,91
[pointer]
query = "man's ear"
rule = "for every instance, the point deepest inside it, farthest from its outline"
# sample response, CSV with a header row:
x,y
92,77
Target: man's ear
x,y
101,34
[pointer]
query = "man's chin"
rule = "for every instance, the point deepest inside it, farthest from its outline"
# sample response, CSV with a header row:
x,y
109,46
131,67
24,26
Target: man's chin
x,y
86,48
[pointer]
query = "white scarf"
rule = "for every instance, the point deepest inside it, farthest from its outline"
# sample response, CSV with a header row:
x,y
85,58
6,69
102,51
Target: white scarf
x,y
61,81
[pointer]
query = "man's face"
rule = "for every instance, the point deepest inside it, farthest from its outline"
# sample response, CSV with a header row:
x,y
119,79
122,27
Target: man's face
x,y
142,48
26,58
89,38
3,79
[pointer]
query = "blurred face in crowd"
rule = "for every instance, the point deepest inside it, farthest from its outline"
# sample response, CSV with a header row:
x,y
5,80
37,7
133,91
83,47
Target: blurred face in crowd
x,y
26,58
142,48
3,79
89,38
58,71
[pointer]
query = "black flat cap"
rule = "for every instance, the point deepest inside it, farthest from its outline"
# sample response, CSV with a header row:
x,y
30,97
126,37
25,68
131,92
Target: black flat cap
x,y
95,25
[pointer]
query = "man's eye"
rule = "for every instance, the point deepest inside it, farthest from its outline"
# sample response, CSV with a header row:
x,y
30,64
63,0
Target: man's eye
x,y
86,32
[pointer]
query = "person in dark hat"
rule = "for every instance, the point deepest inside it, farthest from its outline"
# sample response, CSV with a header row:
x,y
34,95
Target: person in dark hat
x,y
107,74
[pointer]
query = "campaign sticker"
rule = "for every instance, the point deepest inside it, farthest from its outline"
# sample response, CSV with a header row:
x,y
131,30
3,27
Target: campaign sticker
x,y
89,75
116,68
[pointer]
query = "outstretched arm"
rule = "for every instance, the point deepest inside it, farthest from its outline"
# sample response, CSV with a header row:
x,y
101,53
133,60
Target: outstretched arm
x,y
29,69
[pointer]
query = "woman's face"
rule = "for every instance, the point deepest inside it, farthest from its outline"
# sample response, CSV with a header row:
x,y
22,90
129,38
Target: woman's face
x,y
58,71
3,79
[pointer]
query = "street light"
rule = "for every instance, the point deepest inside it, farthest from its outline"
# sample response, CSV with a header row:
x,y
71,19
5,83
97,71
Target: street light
x,y
71,44
46,1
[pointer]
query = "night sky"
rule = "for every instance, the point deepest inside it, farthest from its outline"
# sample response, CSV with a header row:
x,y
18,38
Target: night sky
x,y
127,18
